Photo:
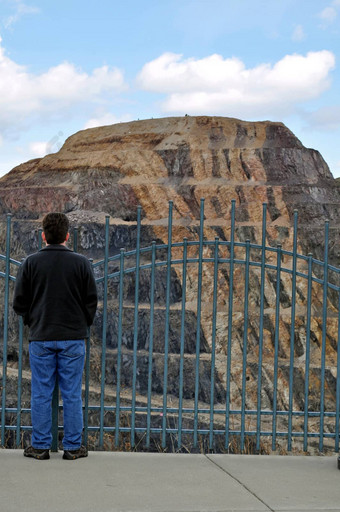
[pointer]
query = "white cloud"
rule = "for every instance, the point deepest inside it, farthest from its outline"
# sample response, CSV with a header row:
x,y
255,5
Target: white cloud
x,y
106,118
56,93
298,34
38,149
20,10
330,13
215,85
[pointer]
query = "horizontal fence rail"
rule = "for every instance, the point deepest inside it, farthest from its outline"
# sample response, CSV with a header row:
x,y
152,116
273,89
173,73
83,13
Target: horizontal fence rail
x,y
198,344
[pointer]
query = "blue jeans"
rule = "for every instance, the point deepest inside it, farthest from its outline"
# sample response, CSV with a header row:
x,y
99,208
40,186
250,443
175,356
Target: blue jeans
x,y
49,359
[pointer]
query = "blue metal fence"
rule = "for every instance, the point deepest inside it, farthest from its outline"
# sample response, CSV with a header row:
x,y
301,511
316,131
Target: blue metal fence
x,y
252,375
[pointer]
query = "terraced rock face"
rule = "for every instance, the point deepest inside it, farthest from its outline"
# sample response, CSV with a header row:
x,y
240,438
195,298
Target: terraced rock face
x,y
113,169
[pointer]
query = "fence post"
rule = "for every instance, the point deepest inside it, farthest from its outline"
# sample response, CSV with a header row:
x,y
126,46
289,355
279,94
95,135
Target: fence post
x,y
167,320
151,336
276,342
308,333
324,325
198,321
103,359
245,341
5,330
21,330
230,322
262,298
213,345
119,342
292,335
135,330
181,363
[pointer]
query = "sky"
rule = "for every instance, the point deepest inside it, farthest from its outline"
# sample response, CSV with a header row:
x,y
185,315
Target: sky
x,y
70,65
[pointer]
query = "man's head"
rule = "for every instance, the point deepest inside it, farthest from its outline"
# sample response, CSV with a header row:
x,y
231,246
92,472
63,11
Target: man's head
x,y
55,226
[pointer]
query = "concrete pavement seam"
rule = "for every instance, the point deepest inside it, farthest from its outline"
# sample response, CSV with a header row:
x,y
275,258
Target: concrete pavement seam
x,y
240,482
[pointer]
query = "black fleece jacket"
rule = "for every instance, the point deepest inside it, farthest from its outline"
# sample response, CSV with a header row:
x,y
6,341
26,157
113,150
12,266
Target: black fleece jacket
x,y
56,293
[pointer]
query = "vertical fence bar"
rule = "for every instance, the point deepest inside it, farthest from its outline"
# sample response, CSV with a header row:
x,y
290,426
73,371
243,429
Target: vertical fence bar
x,y
213,345
324,332
103,361
39,238
87,387
230,323
292,336
276,342
5,330
181,358
259,382
307,361
198,321
337,405
87,381
75,239
245,342
135,334
21,330
152,308
119,342
167,320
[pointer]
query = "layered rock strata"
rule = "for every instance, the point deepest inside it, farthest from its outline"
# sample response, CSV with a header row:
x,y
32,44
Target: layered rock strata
x,y
113,169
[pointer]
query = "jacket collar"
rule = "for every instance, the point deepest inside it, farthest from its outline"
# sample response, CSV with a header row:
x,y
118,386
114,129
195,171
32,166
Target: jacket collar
x,y
55,247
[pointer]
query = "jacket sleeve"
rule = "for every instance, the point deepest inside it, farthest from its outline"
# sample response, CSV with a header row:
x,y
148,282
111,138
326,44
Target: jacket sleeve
x,y
90,295
22,292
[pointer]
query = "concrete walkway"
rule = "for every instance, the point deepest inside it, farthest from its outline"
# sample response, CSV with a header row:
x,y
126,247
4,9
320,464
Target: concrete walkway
x,y
143,482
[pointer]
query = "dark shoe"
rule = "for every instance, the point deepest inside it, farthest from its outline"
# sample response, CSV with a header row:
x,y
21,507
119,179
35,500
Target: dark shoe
x,y
75,454
338,462
37,453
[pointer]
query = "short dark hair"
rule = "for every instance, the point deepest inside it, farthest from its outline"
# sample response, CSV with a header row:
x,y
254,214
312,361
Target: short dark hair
x,y
55,226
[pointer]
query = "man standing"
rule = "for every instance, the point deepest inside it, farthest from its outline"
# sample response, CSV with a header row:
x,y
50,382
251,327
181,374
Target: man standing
x,y
56,294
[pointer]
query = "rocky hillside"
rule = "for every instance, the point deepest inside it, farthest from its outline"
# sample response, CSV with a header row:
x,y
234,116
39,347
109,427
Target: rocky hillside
x,y
112,169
